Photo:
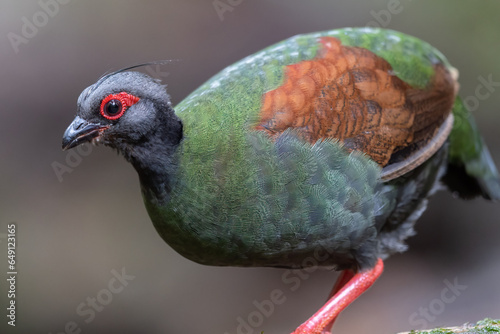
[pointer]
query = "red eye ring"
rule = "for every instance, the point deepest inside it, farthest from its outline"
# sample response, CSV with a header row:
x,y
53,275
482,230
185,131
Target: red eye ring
x,y
124,100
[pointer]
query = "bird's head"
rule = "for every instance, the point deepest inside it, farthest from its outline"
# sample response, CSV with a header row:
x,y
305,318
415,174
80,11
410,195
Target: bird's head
x,y
123,110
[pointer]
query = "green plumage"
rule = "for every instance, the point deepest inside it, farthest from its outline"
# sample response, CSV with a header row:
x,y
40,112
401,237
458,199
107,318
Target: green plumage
x,y
281,201
243,199
251,170
470,157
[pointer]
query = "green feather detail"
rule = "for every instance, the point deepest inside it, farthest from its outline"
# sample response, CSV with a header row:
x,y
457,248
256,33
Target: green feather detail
x,y
243,199
274,203
412,59
468,150
465,141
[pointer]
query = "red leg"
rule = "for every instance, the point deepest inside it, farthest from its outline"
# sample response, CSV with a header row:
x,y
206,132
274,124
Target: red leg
x,y
358,284
344,278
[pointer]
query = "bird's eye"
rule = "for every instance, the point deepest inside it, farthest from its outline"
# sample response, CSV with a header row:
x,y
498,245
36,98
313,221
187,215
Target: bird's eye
x,y
113,108
115,105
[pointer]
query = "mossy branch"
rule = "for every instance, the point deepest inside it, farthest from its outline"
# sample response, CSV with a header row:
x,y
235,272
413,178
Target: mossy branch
x,y
485,326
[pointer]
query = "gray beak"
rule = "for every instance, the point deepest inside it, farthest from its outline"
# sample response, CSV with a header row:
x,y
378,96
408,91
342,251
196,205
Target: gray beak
x,y
79,132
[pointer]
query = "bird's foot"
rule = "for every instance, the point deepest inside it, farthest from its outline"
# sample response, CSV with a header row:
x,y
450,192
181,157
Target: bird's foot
x,y
321,321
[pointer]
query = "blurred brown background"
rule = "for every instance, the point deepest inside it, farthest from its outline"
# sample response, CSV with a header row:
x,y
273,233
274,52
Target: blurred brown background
x,y
72,234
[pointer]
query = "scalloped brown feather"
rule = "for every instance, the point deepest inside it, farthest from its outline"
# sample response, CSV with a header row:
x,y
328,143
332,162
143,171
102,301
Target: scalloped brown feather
x,y
351,94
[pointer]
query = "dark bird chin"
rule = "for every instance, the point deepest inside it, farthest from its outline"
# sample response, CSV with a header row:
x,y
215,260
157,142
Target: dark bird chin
x,y
81,131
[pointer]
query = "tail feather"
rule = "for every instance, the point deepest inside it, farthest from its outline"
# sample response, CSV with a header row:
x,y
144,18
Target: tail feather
x,y
471,170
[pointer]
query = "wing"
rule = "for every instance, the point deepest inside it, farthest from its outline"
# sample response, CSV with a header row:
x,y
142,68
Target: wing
x,y
353,95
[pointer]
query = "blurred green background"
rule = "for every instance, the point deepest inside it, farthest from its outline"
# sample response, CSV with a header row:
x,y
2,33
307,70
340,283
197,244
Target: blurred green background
x,y
72,234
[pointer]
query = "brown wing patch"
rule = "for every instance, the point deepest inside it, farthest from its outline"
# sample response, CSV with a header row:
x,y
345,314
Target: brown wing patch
x,y
349,93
